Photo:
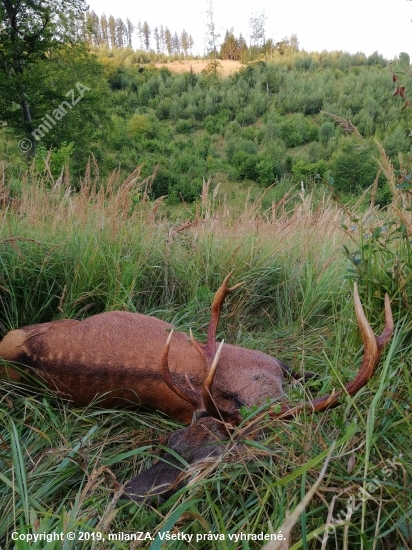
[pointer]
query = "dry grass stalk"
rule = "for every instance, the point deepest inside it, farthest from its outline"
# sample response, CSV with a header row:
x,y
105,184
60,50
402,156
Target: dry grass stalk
x,y
400,201
125,205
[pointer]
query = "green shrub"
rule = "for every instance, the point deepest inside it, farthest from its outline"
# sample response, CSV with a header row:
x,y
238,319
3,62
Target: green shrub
x,y
353,167
308,171
184,126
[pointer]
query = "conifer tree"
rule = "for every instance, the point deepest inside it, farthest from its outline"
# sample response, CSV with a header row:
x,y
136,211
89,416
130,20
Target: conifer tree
x,y
156,36
243,49
146,35
190,43
211,40
93,31
140,34
162,39
120,33
88,28
230,46
176,43
129,32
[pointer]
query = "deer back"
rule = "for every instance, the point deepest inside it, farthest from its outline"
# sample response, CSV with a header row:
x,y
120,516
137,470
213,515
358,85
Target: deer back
x,y
117,355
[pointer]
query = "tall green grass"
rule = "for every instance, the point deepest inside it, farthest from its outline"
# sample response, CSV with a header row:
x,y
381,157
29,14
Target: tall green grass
x,y
66,253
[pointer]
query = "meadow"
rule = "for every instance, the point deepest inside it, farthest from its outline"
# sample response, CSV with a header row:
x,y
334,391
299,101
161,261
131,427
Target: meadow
x,y
66,253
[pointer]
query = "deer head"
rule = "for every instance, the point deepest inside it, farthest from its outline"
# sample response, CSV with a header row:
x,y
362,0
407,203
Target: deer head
x,y
209,435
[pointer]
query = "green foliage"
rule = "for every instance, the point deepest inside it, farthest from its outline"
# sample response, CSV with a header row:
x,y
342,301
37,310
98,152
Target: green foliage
x,y
56,158
404,60
353,167
268,170
184,126
139,125
397,141
245,164
32,35
136,113
382,261
308,171
326,131
297,130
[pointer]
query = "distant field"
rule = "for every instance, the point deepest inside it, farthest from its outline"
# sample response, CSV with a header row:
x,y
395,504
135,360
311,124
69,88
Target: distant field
x,y
227,67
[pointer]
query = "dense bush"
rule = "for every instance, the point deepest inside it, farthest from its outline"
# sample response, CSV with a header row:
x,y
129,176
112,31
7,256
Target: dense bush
x,y
265,119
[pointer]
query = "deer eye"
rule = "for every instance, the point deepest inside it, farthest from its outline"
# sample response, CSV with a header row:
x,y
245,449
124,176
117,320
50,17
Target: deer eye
x,y
238,403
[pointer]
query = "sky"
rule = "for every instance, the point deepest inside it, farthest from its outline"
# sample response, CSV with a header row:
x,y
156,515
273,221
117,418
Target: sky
x,y
348,25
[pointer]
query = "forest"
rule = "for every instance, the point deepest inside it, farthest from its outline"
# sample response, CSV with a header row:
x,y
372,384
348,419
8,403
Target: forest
x,y
128,185
274,123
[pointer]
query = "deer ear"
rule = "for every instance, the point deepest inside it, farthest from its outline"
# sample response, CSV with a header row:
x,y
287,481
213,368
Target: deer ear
x,y
157,482
200,442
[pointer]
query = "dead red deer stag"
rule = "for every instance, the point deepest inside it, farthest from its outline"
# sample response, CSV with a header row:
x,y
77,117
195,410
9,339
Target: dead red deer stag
x,y
120,356
117,356
205,439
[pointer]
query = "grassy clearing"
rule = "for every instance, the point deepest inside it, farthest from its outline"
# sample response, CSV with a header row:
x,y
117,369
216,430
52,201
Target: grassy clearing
x,y
73,254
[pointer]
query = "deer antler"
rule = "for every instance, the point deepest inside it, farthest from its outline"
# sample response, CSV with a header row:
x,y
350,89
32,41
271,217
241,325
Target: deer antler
x,y
208,350
200,399
203,399
189,394
373,347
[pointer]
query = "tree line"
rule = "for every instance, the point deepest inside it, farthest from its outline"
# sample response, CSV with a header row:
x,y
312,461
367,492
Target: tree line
x,y
116,33
235,47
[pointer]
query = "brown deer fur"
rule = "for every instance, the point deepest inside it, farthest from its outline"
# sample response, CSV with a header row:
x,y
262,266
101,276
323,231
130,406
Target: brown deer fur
x,y
118,354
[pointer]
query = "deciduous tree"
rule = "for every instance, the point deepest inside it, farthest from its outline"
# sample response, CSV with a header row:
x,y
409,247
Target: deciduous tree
x,y
257,26
168,41
30,31
104,29
184,42
112,31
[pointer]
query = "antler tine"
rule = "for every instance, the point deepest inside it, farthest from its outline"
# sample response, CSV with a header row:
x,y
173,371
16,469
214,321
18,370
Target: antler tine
x,y
199,399
209,402
196,343
208,350
211,357
188,394
386,335
373,347
222,292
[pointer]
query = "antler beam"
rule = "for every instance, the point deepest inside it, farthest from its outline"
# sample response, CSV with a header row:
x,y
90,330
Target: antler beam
x,y
373,347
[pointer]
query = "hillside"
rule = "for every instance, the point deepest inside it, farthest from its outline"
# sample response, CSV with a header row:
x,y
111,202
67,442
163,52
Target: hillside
x,y
267,124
